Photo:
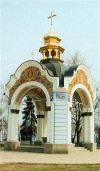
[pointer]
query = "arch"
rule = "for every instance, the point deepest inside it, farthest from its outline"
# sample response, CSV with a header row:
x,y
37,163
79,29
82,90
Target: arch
x,y
38,89
53,53
47,53
82,76
39,102
24,88
44,72
87,132
83,89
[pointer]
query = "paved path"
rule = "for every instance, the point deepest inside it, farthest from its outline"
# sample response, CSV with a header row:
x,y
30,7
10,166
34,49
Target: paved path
x,y
40,158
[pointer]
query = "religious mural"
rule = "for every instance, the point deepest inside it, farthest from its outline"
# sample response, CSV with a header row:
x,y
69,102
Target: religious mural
x,y
80,78
32,74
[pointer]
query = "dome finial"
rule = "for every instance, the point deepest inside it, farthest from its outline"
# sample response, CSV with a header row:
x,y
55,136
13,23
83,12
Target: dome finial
x,y
51,18
51,48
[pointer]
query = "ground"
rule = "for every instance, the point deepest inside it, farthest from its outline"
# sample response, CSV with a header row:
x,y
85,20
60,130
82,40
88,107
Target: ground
x,y
31,167
33,159
78,157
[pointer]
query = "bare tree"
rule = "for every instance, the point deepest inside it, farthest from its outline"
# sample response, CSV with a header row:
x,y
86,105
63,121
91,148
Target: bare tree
x,y
76,120
97,115
97,100
74,60
97,131
3,114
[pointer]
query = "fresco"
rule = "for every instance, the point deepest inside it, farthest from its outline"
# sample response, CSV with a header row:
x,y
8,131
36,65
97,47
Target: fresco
x,y
32,74
81,78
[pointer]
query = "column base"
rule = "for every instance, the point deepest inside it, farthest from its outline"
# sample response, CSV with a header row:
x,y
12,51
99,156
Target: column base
x,y
57,148
11,145
90,146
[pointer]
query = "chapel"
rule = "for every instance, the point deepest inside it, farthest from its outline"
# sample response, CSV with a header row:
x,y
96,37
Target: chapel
x,y
53,87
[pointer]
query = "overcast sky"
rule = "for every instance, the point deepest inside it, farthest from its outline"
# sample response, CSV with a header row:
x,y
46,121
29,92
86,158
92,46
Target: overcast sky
x,y
24,23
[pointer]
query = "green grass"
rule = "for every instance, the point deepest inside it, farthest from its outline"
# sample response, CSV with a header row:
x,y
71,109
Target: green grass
x,y
32,167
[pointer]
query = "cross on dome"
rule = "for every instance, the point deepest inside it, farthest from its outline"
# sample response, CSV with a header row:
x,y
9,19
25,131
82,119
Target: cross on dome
x,y
51,48
51,17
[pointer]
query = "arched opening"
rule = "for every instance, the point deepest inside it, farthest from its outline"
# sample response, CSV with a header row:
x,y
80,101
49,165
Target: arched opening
x,y
53,53
39,94
76,119
47,53
27,125
81,117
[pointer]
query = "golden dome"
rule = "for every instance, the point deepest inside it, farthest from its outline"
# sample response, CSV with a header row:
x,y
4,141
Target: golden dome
x,y
51,38
51,33
51,48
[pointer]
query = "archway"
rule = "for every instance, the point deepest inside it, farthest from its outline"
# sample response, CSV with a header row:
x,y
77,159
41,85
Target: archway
x,y
42,100
82,95
76,119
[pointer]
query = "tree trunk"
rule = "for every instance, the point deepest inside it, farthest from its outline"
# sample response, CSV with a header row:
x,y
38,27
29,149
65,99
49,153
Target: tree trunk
x,y
78,138
74,136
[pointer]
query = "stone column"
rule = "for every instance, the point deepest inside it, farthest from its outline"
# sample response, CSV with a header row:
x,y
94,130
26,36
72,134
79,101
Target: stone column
x,y
45,120
89,133
86,129
50,124
82,131
56,53
44,54
49,52
92,145
91,129
12,137
41,126
38,129
40,118
60,53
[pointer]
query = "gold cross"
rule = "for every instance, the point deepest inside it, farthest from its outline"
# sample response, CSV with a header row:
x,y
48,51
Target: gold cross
x,y
51,17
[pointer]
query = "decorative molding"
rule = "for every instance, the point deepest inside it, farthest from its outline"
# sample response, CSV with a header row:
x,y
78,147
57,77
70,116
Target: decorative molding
x,y
32,74
40,116
16,111
86,114
18,95
80,78
59,96
44,72
48,108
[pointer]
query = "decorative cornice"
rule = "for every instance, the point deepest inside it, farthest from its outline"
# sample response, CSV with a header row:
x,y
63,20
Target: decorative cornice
x,y
16,111
44,72
80,77
48,108
51,47
32,74
54,37
40,116
86,114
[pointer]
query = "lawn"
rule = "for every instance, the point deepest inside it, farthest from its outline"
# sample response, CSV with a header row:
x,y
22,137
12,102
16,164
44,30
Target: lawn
x,y
32,167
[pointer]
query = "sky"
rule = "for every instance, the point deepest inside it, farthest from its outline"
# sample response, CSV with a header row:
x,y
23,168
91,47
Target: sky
x,y
24,23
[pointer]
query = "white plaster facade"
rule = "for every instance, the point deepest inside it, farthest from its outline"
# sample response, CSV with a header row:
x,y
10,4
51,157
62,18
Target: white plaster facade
x,y
56,124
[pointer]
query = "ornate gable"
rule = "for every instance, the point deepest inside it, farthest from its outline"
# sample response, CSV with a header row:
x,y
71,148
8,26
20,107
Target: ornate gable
x,y
32,74
81,78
